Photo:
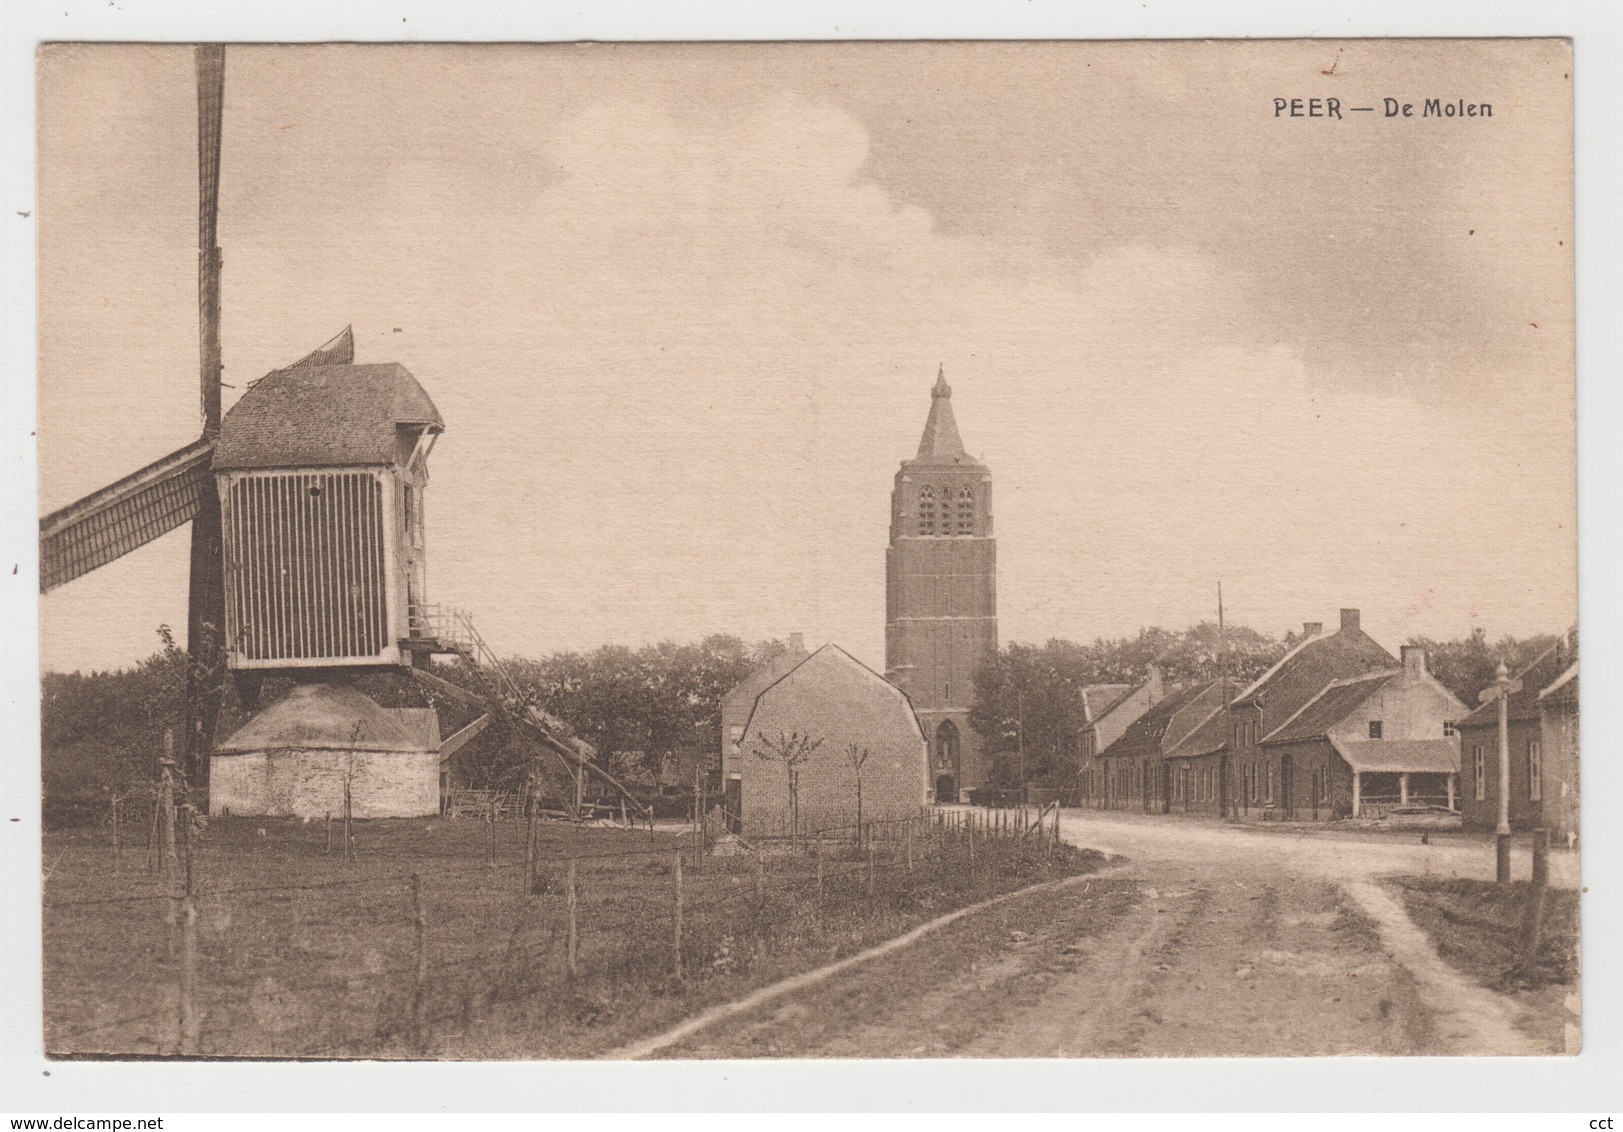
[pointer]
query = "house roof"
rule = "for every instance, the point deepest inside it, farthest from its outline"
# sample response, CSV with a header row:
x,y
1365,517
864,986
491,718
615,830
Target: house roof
x,y
1339,699
742,695
1098,699
941,445
1565,686
1543,671
315,416
335,717
1165,723
1413,756
1298,677
820,666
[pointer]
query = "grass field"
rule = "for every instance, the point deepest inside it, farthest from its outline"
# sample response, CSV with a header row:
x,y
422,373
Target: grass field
x,y
302,955
1476,926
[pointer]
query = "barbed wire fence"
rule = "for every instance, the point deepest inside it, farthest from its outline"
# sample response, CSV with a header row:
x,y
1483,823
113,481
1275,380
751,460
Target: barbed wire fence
x,y
560,934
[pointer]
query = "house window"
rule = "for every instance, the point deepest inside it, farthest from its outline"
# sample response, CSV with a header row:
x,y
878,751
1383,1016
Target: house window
x,y
926,510
1270,796
966,511
1374,729
1535,772
1449,730
1323,777
1479,774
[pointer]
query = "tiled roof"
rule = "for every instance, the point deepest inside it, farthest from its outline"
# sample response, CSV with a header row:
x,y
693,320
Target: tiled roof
x,y
1329,708
1537,676
335,717
1160,728
1097,699
1284,689
318,416
1388,756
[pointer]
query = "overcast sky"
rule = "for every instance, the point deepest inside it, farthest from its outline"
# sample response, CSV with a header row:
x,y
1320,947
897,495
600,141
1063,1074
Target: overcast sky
x,y
681,309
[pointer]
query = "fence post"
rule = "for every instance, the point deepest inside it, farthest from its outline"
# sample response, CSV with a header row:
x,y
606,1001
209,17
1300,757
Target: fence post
x,y
819,855
870,869
572,940
1533,911
190,1022
152,837
529,848
349,833
760,877
972,850
677,862
490,820
419,984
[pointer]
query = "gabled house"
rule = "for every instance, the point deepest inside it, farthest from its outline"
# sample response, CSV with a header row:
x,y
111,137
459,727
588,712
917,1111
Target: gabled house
x,y
1128,774
836,701
1542,793
736,706
1108,710
1363,745
1221,768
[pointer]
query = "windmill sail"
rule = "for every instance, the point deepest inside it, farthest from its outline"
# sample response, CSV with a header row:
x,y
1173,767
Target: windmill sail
x,y
339,351
124,516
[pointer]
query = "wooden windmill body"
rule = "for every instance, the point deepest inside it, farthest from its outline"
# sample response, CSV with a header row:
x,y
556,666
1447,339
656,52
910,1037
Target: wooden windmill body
x,y
308,560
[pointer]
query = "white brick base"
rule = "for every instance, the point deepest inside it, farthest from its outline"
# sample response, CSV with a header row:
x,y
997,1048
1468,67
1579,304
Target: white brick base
x,y
310,784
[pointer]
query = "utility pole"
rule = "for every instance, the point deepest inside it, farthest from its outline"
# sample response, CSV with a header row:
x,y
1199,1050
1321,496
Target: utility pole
x,y
1228,714
1503,688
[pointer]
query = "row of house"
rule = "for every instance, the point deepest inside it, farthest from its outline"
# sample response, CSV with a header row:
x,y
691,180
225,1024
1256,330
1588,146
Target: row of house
x,y
1338,728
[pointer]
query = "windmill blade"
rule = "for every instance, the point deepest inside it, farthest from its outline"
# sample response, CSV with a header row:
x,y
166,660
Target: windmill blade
x,y
337,351
124,516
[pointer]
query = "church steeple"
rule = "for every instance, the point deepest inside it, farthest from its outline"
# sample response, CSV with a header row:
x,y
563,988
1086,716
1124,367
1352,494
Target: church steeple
x,y
941,440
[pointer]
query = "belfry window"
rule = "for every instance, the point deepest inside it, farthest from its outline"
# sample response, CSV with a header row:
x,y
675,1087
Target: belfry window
x,y
966,511
927,510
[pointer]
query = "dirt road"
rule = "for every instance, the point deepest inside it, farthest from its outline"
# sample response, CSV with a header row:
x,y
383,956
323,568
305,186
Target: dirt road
x,y
1210,940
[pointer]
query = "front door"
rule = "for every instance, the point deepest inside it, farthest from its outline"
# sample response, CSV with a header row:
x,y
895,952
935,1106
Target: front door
x,y
946,791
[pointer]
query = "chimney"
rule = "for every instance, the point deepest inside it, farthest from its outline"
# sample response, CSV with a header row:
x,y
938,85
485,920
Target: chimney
x,y
1349,620
1312,628
797,644
1414,661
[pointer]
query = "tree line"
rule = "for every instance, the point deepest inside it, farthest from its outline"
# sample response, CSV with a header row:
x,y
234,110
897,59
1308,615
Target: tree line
x,y
101,732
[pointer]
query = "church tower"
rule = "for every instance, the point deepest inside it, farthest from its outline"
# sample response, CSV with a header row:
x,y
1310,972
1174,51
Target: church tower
x,y
941,593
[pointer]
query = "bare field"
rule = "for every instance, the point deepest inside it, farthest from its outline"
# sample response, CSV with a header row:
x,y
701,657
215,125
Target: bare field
x,y
303,956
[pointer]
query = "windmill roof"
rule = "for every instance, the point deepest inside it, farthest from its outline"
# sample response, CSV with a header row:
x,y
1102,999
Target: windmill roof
x,y
335,717
315,416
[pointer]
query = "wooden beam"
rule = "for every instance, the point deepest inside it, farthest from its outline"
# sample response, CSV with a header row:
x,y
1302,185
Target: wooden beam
x,y
460,739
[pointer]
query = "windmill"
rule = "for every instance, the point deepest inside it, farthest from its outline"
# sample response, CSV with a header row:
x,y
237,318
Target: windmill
x,y
307,551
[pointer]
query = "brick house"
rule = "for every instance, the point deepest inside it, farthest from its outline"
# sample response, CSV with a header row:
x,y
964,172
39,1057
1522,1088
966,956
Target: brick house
x,y
1129,773
1364,744
835,699
1558,715
1221,767
736,706
1534,781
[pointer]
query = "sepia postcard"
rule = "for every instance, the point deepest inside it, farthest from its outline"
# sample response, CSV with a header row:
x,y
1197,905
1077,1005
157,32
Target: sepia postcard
x,y
808,550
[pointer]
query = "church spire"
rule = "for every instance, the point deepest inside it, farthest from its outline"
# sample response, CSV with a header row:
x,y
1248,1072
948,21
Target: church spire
x,y
940,440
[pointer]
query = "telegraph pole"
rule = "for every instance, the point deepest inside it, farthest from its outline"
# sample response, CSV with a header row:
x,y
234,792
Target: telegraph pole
x,y
1503,688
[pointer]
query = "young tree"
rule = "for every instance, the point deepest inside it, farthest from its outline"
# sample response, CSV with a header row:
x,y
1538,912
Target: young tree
x,y
858,758
792,749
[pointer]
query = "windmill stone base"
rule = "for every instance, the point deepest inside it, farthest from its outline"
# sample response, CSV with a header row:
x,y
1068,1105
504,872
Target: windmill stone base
x,y
294,758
